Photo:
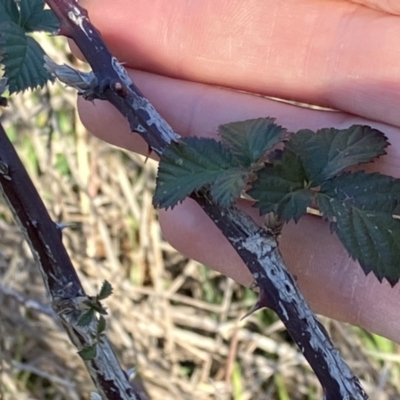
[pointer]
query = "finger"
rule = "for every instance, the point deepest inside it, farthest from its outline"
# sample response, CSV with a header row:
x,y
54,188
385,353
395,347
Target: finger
x,y
337,54
334,286
389,6
197,110
331,282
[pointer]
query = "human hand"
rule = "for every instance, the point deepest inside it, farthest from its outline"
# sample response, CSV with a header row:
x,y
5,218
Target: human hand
x,y
334,54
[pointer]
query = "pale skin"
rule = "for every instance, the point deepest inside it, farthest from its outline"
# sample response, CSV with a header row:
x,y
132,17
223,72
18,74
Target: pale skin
x,y
337,54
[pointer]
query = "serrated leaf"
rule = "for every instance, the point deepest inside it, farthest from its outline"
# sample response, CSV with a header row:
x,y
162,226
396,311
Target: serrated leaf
x,y
368,191
9,11
360,207
100,309
105,291
250,139
228,186
35,18
22,58
86,318
101,326
88,353
95,305
329,151
282,188
187,166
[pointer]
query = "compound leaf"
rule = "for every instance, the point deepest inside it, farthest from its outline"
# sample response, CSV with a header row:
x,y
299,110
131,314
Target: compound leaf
x,y
329,151
22,58
250,139
360,207
35,18
282,188
188,165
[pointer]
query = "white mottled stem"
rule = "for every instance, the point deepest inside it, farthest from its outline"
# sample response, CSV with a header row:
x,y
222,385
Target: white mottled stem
x,y
60,279
278,290
257,249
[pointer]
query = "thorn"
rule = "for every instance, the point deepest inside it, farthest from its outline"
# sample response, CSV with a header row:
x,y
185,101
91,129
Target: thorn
x,y
149,151
131,373
62,225
252,310
262,302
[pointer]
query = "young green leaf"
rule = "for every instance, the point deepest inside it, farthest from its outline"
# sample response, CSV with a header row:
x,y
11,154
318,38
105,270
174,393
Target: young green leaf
x,y
22,58
86,318
329,151
96,305
101,326
282,188
88,353
250,139
105,291
191,164
360,207
35,18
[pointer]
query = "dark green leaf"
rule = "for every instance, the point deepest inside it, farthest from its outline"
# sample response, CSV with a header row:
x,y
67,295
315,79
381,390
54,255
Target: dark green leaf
x,y
189,165
282,188
86,318
97,306
360,207
35,18
22,58
228,186
330,151
101,326
89,302
105,291
9,11
88,353
371,192
250,139
100,309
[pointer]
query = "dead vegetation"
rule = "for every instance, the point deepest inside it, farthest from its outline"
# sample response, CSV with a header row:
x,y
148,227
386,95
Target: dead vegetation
x,y
174,319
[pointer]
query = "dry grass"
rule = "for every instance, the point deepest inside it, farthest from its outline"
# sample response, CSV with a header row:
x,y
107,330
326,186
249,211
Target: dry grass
x,y
174,319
